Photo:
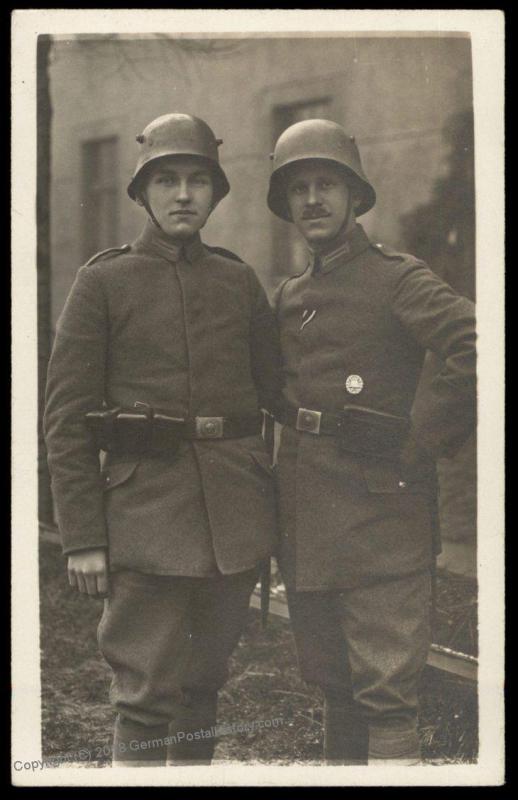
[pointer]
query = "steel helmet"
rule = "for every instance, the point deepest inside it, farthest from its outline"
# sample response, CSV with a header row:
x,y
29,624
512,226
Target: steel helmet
x,y
179,135
317,138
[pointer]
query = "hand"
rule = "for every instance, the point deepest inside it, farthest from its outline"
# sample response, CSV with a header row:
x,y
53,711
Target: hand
x,y
88,572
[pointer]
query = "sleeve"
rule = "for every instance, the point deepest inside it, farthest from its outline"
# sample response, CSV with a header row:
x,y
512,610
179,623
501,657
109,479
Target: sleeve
x,y
265,351
443,322
75,385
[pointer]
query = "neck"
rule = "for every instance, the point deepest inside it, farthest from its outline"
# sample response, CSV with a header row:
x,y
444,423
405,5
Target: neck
x,y
322,248
157,233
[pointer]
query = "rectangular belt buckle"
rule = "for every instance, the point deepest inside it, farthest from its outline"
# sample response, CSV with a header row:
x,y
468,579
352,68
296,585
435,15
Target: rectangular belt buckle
x,y
308,420
209,427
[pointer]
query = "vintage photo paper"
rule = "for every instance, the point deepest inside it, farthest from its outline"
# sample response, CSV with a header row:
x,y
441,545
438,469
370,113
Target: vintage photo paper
x,y
421,95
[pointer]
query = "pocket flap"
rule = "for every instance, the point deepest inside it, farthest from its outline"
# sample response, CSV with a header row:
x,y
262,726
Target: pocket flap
x,y
384,477
117,473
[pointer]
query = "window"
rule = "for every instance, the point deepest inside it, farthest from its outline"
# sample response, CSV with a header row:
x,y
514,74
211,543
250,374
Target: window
x,y
290,251
100,195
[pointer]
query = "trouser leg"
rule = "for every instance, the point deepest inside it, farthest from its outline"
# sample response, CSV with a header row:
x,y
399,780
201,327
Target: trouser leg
x,y
366,649
323,660
144,636
218,616
387,628
168,640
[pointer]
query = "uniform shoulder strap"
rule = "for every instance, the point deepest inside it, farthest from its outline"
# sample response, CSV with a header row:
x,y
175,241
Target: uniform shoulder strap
x,y
221,251
110,251
388,252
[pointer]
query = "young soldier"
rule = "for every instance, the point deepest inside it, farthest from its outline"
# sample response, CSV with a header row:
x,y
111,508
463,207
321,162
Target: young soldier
x,y
356,461
170,348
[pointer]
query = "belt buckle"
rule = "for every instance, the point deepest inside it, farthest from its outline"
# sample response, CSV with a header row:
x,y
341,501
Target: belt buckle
x,y
209,427
308,420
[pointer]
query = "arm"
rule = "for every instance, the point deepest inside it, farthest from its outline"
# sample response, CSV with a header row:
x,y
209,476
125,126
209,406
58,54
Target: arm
x,y
265,352
444,322
75,385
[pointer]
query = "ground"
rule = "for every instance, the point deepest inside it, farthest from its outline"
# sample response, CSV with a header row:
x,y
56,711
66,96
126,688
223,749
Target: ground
x,y
264,683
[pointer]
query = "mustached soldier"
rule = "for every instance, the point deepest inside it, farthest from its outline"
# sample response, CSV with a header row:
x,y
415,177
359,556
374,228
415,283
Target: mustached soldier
x,y
177,343
356,460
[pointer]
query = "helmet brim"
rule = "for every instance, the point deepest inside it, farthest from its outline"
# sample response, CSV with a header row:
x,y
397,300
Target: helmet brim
x,y
221,184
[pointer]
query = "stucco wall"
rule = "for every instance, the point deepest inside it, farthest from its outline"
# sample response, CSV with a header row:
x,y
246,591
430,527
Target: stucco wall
x,y
393,94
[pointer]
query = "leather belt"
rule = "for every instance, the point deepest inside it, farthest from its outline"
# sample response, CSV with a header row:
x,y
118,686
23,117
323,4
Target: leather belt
x,y
358,429
118,430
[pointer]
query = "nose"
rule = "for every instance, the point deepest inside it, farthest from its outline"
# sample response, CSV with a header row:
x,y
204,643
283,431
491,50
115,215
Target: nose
x,y
313,196
183,195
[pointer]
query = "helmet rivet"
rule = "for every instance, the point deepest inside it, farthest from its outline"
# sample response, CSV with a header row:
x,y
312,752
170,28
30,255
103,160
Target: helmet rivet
x,y
140,138
352,138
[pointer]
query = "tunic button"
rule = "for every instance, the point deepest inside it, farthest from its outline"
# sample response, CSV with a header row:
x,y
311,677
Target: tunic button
x,y
210,427
107,479
402,484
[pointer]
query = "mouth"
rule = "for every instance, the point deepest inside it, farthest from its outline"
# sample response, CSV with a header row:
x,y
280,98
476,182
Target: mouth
x,y
314,215
182,213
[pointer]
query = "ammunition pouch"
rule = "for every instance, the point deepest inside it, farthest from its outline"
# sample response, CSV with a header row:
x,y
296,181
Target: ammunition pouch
x,y
363,430
149,431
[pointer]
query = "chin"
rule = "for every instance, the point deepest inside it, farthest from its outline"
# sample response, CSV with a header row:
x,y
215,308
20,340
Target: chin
x,y
181,232
316,237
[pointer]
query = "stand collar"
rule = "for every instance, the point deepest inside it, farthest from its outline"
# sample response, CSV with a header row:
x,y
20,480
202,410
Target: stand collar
x,y
153,238
341,249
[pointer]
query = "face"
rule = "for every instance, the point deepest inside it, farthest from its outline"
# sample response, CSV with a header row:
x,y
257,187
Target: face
x,y
179,191
318,198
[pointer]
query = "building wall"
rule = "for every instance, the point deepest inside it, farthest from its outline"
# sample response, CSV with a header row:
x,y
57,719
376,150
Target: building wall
x,y
394,94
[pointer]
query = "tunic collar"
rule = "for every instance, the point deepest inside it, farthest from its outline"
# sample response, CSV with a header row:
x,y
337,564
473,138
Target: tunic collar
x,y
155,239
342,249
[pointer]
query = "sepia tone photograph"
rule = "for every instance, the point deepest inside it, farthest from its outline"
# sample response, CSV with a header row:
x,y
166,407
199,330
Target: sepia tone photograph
x,y
256,398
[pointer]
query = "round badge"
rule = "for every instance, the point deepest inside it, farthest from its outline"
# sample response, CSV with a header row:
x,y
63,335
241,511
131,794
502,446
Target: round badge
x,y
354,384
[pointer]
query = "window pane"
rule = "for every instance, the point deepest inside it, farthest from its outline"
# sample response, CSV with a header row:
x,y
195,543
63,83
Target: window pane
x,y
100,195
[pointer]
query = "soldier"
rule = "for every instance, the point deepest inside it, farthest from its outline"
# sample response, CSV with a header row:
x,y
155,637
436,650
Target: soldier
x,y
356,464
169,347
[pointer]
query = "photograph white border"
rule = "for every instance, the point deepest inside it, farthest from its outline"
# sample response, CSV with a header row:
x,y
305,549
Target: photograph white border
x,y
486,29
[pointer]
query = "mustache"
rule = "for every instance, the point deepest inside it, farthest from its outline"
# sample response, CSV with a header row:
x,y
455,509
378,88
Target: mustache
x,y
315,213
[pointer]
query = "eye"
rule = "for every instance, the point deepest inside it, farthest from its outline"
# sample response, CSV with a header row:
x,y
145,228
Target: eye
x,y
298,189
326,184
201,180
164,180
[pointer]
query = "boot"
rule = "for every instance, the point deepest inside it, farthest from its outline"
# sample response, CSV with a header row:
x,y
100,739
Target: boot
x,y
136,745
346,735
394,746
193,730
